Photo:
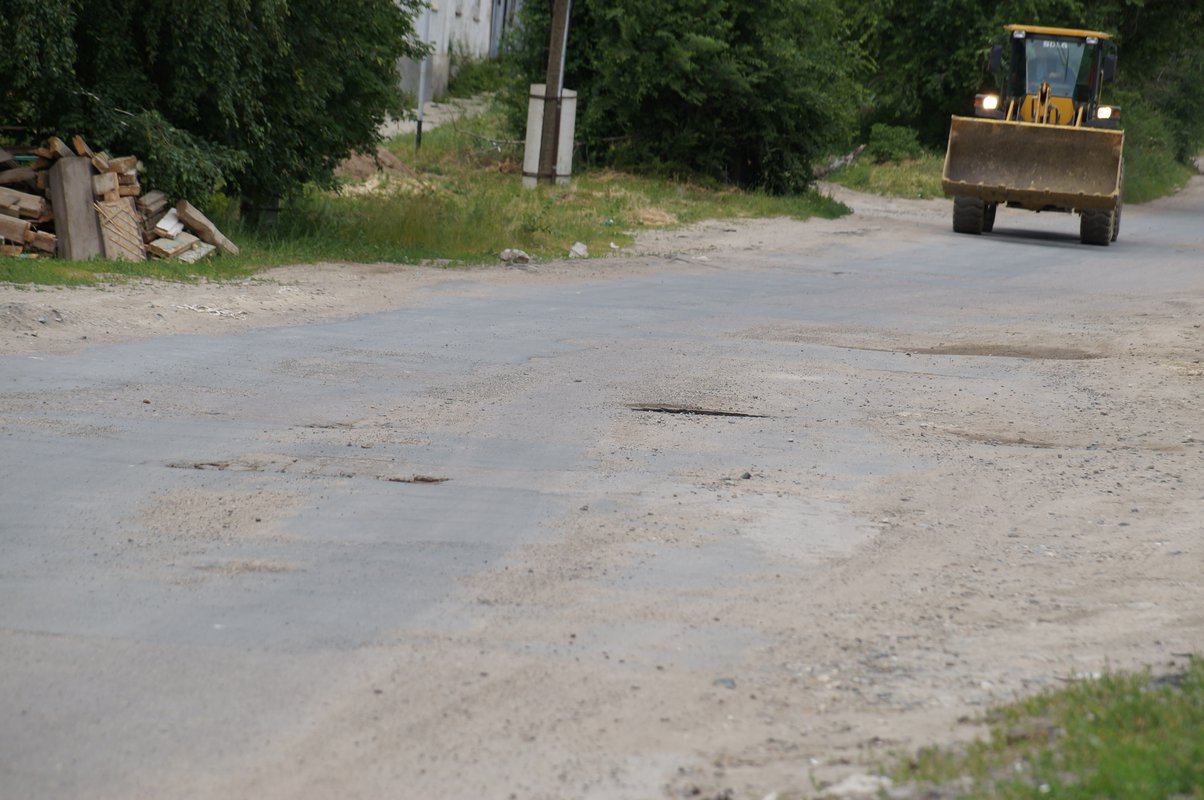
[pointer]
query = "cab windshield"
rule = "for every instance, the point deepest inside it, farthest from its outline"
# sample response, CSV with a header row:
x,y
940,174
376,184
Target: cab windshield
x,y
1064,64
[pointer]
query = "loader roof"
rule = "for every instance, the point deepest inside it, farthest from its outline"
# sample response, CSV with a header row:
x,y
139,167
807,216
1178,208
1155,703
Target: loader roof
x,y
1058,31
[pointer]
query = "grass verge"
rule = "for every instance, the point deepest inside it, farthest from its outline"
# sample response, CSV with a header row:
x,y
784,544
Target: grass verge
x,y
1118,736
458,201
917,178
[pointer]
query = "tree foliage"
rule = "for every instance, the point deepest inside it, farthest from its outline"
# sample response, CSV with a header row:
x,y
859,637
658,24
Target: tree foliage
x,y
256,97
749,92
928,58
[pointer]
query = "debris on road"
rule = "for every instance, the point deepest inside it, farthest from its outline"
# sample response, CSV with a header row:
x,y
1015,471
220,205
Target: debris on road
x,y
77,203
513,256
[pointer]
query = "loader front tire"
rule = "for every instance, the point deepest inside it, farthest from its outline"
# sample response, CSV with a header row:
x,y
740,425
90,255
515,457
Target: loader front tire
x,y
988,217
1096,225
969,215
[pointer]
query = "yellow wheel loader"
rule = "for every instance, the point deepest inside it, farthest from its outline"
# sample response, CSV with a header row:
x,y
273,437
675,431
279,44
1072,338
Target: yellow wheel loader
x,y
1045,142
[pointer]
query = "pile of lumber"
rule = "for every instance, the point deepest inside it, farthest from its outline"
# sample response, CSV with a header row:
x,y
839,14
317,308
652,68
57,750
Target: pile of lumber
x,y
78,204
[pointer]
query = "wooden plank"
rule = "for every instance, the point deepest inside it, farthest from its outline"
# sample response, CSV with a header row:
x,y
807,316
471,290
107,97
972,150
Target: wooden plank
x,y
76,221
152,203
81,147
104,183
46,242
121,227
100,161
123,164
59,148
151,221
167,248
129,191
19,175
11,250
13,229
203,228
7,160
170,226
199,251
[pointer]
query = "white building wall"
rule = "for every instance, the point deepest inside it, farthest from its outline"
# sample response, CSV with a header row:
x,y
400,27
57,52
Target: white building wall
x,y
463,27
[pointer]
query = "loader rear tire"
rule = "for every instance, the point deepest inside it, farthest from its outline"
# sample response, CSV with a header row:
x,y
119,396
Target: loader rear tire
x,y
1116,222
1096,226
969,215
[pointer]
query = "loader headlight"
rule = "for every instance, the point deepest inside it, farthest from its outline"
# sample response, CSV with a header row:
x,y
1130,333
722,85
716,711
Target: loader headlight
x,y
1103,112
987,105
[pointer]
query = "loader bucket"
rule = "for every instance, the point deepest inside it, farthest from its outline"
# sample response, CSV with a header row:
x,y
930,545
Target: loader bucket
x,y
1033,166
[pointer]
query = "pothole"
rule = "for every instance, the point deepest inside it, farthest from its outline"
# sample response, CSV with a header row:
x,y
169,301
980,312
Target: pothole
x,y
1032,352
313,468
672,408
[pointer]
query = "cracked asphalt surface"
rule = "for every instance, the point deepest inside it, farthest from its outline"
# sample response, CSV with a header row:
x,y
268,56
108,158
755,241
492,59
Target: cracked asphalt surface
x,y
375,531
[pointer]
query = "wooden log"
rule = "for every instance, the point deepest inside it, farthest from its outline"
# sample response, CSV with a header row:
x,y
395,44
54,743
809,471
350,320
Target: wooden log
x,y
80,146
30,206
13,229
167,248
75,218
203,228
11,250
19,175
44,152
100,161
129,191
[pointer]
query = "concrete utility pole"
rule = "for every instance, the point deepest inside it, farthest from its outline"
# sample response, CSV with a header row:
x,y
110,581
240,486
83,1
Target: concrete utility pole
x,y
554,88
426,40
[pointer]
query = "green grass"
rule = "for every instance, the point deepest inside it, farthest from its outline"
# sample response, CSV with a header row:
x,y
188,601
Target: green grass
x,y
459,201
918,178
1119,736
1150,172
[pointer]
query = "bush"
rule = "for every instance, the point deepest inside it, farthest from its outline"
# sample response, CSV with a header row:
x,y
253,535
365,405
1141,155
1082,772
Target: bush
x,y
750,93
893,143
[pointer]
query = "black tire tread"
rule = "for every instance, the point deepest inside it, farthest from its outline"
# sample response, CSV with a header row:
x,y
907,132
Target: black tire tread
x,y
969,215
1095,226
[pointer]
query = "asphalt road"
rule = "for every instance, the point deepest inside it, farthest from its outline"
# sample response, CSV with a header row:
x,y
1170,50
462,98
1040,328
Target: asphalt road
x,y
207,544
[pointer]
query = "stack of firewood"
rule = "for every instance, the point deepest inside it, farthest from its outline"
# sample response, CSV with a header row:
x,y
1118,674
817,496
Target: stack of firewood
x,y
81,204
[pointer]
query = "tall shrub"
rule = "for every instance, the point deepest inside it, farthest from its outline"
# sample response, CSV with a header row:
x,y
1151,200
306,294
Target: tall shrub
x,y
749,92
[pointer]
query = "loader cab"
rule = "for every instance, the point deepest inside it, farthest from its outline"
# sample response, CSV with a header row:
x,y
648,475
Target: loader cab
x,y
1053,76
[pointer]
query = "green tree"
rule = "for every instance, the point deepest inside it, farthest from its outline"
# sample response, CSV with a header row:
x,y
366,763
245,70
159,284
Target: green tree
x,y
253,97
749,92
929,54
